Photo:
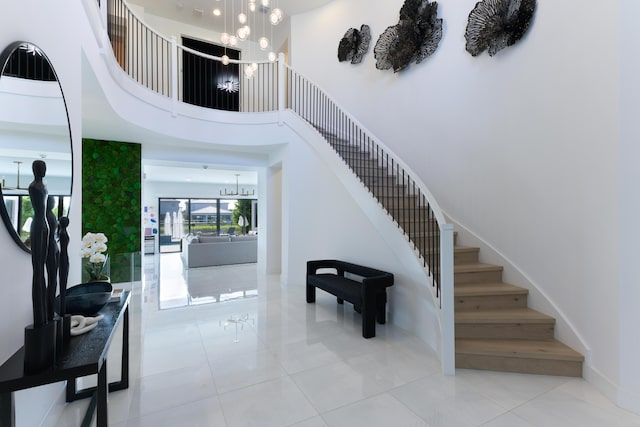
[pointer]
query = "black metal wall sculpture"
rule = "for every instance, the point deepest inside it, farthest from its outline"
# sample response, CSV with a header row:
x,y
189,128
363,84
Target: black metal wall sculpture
x,y
354,45
414,38
496,24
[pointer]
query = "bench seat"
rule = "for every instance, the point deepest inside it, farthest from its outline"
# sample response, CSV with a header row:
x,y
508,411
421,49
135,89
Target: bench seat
x,y
362,286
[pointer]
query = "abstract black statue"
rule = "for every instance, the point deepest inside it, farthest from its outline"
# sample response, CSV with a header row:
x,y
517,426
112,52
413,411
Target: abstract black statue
x,y
63,266
53,257
39,244
413,39
40,337
354,45
63,276
496,24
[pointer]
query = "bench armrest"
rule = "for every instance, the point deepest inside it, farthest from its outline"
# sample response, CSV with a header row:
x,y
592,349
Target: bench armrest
x,y
314,266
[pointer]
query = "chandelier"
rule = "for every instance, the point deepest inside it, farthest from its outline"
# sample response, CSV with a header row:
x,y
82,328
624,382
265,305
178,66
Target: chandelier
x,y
243,24
237,192
3,184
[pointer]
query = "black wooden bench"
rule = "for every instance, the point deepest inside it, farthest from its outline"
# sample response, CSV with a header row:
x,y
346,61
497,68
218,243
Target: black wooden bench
x,y
364,287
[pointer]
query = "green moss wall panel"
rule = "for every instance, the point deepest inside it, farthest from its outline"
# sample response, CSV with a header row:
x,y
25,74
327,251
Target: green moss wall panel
x,y
112,200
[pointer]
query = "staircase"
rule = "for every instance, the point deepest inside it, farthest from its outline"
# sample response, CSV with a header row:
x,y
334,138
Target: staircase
x,y
495,330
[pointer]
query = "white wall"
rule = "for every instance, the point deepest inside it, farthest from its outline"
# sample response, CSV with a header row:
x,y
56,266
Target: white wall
x,y
629,206
32,21
520,148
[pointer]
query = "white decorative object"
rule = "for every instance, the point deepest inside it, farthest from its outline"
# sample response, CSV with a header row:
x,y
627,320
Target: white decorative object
x,y
81,325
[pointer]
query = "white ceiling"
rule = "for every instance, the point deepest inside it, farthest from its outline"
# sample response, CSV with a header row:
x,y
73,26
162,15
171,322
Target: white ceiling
x,y
200,12
196,173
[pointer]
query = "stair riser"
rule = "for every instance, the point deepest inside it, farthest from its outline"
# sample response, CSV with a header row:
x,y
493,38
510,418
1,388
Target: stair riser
x,y
388,191
521,365
366,173
466,257
490,302
418,241
522,331
414,230
349,153
478,277
393,203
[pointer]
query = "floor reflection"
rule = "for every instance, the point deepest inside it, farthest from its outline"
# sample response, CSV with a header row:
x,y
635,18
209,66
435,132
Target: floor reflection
x,y
180,287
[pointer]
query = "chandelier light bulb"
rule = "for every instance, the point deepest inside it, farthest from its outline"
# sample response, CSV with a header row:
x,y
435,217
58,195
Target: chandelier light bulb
x,y
242,18
263,42
225,60
248,71
247,29
252,6
275,17
216,12
272,56
224,38
254,66
241,33
265,3
233,40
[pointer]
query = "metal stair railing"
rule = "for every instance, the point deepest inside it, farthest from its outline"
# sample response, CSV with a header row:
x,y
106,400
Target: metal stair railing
x,y
386,179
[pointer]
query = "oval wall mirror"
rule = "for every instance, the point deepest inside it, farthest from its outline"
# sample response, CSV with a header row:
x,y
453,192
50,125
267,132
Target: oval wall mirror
x,y
34,125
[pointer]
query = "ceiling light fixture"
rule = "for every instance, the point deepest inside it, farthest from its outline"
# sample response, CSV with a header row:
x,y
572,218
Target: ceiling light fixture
x,y
243,27
17,187
229,86
237,192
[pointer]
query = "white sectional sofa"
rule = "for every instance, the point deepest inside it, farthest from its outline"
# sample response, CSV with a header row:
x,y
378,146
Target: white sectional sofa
x,y
206,251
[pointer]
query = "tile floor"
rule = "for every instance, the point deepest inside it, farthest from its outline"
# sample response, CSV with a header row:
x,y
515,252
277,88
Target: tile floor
x,y
298,364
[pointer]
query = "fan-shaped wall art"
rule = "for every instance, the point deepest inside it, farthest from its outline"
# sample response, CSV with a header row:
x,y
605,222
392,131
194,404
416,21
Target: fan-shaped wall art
x,y
354,45
496,24
414,38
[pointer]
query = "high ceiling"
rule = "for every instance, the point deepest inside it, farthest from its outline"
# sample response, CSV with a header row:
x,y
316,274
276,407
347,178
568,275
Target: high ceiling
x,y
200,12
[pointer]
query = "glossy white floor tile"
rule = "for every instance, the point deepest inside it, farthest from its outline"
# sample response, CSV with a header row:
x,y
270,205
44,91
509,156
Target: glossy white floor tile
x,y
239,349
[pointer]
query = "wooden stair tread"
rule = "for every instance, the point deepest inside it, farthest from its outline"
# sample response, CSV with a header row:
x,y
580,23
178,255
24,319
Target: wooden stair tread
x,y
476,267
511,315
461,248
481,289
545,349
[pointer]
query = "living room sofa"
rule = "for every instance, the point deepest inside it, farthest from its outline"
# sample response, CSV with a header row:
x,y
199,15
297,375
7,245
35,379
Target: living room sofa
x,y
206,251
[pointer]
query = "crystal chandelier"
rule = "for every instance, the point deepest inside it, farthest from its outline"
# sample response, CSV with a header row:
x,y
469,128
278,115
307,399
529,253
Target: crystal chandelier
x,y
242,26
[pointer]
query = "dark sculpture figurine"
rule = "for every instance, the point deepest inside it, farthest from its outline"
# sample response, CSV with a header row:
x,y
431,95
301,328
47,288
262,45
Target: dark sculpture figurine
x,y
53,257
63,276
63,266
39,243
40,337
496,24
413,39
354,45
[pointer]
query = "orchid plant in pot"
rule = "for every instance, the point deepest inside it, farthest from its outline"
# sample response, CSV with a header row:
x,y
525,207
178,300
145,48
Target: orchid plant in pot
x,y
94,247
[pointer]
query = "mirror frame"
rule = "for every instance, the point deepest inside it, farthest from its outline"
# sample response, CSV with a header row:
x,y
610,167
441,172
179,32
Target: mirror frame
x,y
4,59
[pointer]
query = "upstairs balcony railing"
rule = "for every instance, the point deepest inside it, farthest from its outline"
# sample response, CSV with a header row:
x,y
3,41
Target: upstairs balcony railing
x,y
162,65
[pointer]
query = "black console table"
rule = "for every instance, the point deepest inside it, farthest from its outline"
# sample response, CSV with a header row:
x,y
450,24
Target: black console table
x,y
84,355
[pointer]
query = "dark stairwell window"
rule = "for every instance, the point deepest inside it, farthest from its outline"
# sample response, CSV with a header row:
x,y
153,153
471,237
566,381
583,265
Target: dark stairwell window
x,y
201,76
